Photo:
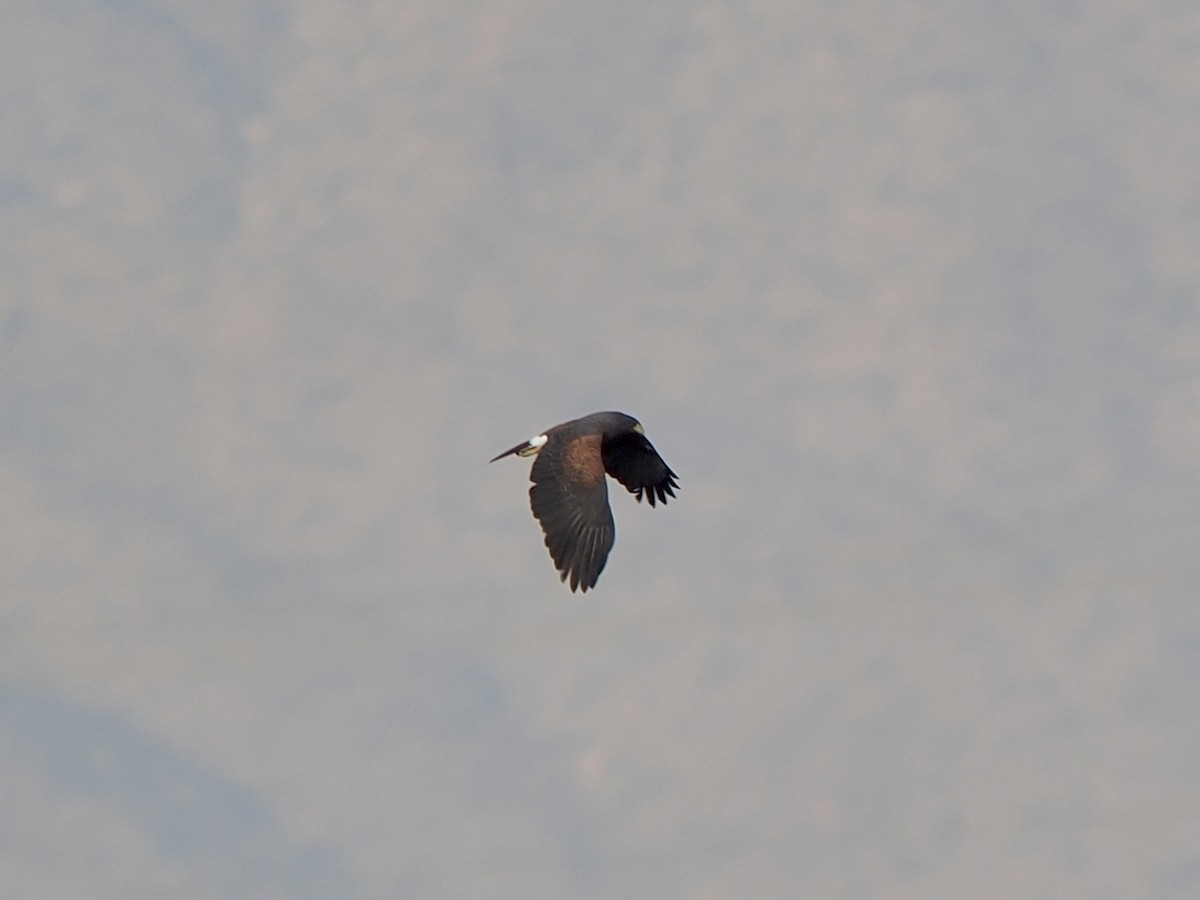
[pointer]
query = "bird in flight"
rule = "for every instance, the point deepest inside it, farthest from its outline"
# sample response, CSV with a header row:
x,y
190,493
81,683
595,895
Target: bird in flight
x,y
569,496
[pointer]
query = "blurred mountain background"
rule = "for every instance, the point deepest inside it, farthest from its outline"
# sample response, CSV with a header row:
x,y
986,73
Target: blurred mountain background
x,y
907,293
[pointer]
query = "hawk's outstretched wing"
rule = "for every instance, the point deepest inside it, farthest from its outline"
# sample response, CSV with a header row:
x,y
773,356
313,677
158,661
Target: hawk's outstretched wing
x,y
570,500
633,461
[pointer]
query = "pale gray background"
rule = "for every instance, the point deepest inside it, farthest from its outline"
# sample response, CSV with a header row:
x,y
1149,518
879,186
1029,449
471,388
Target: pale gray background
x,y
907,293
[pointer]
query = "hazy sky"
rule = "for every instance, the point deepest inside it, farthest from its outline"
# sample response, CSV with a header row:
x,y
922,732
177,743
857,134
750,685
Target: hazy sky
x,y
907,293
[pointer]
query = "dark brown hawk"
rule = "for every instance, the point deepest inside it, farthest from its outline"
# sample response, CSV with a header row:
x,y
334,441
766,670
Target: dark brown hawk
x,y
569,496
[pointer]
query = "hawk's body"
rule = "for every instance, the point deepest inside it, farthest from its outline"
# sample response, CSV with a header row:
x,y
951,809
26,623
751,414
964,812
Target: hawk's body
x,y
569,496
